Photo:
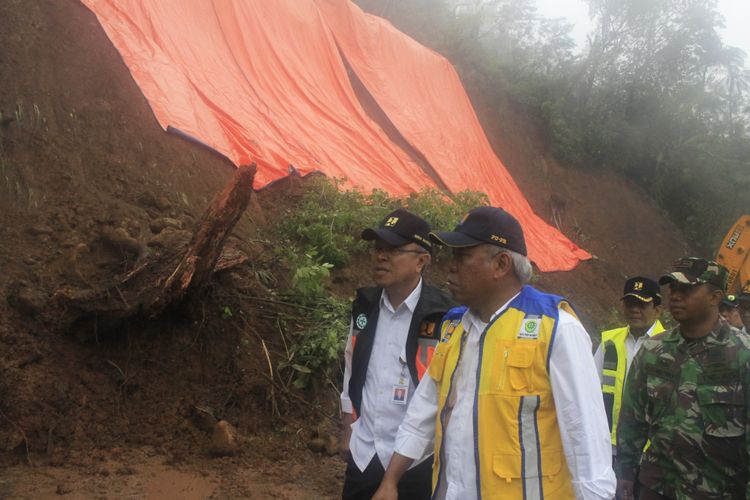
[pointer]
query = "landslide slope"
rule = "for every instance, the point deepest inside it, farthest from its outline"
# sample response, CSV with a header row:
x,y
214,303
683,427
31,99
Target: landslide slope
x,y
82,158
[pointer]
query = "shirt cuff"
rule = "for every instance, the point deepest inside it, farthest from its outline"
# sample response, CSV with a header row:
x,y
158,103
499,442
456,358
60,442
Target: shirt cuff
x,y
346,405
412,446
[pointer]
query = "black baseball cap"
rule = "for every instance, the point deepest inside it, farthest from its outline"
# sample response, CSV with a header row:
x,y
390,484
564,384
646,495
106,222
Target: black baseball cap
x,y
644,289
490,225
399,228
729,301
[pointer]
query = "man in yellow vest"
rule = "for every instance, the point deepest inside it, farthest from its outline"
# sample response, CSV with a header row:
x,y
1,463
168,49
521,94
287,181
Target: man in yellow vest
x,y
511,405
641,306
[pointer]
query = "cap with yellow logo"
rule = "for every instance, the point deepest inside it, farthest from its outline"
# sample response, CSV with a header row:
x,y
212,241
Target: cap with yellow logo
x,y
399,228
643,289
491,225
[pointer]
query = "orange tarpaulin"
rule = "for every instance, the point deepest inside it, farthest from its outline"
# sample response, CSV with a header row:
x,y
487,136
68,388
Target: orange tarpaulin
x,y
264,81
257,81
422,95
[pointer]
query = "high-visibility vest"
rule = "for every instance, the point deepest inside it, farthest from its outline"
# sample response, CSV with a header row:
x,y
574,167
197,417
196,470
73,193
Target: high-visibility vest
x,y
614,372
517,444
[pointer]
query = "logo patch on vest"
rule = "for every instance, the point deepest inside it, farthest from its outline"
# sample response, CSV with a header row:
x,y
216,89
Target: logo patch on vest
x,y
361,321
427,329
530,328
449,330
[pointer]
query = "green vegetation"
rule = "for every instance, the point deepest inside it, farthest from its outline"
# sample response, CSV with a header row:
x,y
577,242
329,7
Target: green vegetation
x,y
321,233
655,94
327,224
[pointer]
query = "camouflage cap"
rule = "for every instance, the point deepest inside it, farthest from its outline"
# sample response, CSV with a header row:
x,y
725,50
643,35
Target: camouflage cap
x,y
697,271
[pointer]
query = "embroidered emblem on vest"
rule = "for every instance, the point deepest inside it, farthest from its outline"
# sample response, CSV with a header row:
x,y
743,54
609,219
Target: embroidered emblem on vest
x,y
530,328
427,329
450,329
361,321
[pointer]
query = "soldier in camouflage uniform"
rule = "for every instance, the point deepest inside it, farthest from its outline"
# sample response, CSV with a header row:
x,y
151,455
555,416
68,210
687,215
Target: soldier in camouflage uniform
x,y
687,393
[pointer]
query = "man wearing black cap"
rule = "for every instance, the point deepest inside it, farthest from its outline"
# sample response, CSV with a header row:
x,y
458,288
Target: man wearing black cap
x,y
394,331
743,304
641,306
687,394
512,400
729,310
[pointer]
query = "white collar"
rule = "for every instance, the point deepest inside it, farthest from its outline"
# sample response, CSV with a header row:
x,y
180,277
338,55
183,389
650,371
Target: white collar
x,y
476,322
649,332
410,302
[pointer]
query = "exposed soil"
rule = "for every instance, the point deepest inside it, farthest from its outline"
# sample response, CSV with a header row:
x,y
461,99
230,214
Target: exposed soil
x,y
89,184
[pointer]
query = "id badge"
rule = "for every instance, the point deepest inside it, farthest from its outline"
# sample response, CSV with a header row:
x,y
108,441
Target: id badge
x,y
400,394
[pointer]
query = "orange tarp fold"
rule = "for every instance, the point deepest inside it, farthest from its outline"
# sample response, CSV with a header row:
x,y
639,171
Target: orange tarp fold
x,y
421,93
257,81
264,81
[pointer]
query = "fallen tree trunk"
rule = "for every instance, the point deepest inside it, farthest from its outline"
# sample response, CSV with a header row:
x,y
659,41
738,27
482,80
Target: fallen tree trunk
x,y
198,263
165,279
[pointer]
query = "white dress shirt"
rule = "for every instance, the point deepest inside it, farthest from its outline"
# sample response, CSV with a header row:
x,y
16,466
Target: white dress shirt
x,y
632,345
375,429
578,404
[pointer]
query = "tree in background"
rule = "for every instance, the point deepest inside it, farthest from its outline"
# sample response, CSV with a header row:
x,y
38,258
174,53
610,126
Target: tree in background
x,y
655,95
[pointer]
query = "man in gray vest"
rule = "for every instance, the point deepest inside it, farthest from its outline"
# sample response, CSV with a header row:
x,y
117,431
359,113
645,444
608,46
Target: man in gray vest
x,y
394,332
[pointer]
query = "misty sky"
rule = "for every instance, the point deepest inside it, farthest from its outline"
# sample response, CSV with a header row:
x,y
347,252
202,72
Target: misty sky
x,y
735,12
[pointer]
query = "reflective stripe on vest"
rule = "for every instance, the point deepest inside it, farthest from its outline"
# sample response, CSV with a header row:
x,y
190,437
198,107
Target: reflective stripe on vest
x,y
614,372
425,351
528,436
354,410
517,444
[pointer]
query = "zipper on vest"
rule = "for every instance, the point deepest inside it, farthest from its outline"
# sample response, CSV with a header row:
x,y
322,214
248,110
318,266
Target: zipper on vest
x,y
503,369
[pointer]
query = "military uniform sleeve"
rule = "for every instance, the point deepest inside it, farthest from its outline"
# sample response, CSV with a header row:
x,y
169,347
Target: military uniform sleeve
x,y
346,403
632,429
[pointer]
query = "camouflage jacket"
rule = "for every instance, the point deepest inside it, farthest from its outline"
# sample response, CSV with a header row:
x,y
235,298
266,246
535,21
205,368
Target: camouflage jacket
x,y
690,399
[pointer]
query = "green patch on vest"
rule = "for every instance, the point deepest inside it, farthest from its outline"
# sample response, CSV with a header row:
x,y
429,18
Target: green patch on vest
x,y
361,321
530,328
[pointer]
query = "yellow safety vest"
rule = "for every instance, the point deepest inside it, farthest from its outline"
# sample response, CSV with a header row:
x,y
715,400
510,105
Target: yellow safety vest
x,y
517,445
615,370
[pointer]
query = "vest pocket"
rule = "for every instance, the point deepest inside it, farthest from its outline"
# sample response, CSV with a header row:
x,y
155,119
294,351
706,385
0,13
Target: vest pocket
x,y
520,362
509,466
723,409
513,366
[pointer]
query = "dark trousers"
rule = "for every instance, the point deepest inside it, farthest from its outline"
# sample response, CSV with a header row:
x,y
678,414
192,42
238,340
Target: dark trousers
x,y
416,484
644,493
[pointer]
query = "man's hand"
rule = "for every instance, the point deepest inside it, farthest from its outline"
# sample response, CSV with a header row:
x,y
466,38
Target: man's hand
x,y
346,435
625,490
388,490
398,466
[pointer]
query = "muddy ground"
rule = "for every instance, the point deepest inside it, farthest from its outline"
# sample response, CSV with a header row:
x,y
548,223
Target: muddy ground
x,y
89,184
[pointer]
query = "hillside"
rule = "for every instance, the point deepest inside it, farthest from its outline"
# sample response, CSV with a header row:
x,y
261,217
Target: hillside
x,y
88,179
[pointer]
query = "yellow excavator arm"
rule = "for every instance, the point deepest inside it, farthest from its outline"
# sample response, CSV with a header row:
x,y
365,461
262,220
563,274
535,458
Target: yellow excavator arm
x,y
733,254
